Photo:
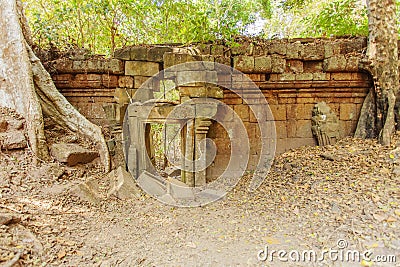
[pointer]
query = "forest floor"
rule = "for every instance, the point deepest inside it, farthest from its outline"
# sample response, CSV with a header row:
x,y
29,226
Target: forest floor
x,y
344,197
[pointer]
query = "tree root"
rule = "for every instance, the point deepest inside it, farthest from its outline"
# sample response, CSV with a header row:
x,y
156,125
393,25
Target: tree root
x,y
55,105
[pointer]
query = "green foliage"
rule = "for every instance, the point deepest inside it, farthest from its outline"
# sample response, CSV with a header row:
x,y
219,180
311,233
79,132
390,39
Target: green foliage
x,y
338,18
103,25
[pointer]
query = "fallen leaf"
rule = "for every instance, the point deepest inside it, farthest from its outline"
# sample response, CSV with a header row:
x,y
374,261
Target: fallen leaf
x,y
391,219
61,254
272,241
379,217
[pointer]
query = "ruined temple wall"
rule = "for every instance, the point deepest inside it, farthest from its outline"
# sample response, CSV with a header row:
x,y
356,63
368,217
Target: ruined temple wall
x,y
293,75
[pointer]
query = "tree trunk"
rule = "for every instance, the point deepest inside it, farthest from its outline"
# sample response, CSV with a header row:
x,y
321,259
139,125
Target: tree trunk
x,y
382,59
28,88
16,87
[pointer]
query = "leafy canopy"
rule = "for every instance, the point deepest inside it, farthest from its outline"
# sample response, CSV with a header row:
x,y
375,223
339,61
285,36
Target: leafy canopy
x,y
103,25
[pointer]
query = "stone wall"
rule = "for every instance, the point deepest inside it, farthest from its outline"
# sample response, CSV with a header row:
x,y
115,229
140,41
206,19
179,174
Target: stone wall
x,y
293,75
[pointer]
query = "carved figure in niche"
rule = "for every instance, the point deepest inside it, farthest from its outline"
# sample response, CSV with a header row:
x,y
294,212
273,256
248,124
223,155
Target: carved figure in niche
x,y
324,124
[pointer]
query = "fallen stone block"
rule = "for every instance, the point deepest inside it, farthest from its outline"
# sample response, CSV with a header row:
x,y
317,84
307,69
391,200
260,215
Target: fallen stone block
x,y
13,140
172,171
141,68
123,185
179,190
72,154
7,219
85,192
152,184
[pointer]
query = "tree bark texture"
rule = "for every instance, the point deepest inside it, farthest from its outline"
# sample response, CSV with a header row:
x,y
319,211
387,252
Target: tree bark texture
x,y
27,87
382,59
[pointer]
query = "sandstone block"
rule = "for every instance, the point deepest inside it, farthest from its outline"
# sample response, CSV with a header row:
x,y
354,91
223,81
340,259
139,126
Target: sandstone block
x,y
277,47
72,154
123,54
13,140
170,59
188,77
304,77
278,64
179,190
141,68
303,128
138,53
294,66
156,54
123,185
203,91
263,64
244,63
348,112
85,192
335,63
109,81
313,52
294,50
352,64
152,184
125,82
279,112
312,66
287,77
321,76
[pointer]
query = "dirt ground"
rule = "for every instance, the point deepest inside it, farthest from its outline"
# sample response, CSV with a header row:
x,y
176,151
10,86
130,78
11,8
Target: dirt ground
x,y
342,197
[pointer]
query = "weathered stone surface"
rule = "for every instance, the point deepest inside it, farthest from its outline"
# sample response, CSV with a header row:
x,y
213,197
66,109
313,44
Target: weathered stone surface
x,y
172,171
263,64
352,64
202,91
138,53
348,111
244,63
171,59
278,64
3,125
123,54
123,184
179,190
294,66
85,192
294,50
156,54
72,154
304,77
335,63
278,48
13,140
125,82
152,184
325,124
141,68
190,77
8,218
112,66
122,96
313,52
